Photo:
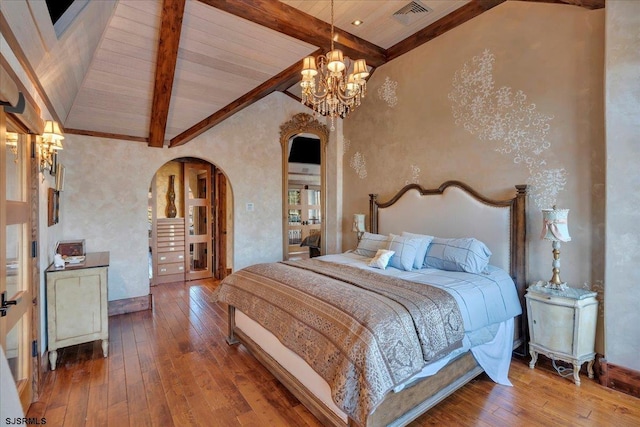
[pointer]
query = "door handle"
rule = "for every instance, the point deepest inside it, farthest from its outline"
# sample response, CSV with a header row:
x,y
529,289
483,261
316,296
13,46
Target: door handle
x,y
6,302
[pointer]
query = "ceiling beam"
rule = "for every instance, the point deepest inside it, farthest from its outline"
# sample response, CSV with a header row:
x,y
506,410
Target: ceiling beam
x,y
441,26
281,82
587,4
288,20
98,134
169,40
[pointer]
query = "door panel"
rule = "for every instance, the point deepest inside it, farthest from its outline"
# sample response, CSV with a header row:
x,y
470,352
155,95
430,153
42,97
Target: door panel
x,y
197,178
15,263
220,236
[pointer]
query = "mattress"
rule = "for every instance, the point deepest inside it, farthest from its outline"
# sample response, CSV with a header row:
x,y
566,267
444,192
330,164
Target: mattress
x,y
488,303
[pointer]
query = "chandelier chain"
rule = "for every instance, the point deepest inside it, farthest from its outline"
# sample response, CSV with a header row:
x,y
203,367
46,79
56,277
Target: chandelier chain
x,y
331,24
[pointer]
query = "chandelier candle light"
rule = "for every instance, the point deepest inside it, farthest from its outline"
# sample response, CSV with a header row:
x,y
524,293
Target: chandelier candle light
x,y
328,87
555,228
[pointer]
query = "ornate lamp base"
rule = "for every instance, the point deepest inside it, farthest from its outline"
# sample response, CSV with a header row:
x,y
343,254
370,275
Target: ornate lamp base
x,y
556,282
557,286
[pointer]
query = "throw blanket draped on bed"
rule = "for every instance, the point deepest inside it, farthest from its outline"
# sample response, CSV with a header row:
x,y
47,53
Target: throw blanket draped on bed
x,y
362,332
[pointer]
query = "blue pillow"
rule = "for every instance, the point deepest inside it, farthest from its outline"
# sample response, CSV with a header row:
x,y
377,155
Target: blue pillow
x,y
464,254
425,240
405,251
370,243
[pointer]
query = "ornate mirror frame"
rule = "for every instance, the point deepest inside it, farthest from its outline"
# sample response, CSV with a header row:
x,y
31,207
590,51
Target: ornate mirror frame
x,y
303,123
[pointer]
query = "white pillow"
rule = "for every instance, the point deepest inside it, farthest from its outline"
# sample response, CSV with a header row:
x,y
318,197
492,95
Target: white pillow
x,y
425,241
370,243
381,259
405,251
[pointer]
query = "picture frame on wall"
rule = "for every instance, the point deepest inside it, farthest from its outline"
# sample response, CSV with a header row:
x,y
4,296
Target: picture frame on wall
x,y
53,207
60,177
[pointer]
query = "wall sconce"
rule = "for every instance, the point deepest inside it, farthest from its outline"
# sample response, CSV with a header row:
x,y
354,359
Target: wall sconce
x,y
358,225
12,143
51,142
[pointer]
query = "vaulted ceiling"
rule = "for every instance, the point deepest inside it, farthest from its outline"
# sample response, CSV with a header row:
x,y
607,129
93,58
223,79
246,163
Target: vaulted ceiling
x,y
163,72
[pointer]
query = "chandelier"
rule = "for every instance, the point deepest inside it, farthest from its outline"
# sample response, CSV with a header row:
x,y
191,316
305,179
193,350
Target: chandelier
x,y
329,88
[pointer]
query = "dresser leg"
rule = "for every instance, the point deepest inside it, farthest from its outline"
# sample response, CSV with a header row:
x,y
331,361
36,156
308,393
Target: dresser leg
x,y
534,358
53,358
576,373
105,347
590,368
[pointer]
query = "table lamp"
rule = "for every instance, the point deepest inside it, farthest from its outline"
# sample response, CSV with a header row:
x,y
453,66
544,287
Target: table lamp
x,y
555,228
358,225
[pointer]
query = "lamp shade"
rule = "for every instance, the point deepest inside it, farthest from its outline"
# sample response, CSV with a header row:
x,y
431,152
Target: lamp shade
x,y
358,223
52,131
555,225
360,70
335,60
309,68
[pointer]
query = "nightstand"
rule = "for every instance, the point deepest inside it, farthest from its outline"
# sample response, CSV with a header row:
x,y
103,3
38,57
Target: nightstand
x,y
77,304
562,326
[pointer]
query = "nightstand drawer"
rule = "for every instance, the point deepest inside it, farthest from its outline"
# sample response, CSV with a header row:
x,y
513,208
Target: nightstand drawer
x,y
551,325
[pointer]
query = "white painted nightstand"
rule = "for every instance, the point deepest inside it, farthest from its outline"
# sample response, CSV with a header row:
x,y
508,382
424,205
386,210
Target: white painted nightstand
x,y
562,326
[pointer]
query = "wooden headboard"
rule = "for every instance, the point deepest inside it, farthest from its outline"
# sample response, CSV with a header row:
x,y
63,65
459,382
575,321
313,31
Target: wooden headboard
x,y
456,210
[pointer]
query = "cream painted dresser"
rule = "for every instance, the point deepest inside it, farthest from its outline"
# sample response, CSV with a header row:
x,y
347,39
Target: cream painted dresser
x,y
77,304
562,326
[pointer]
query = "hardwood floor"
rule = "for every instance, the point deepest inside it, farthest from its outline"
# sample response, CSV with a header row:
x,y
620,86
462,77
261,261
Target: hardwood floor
x,y
171,366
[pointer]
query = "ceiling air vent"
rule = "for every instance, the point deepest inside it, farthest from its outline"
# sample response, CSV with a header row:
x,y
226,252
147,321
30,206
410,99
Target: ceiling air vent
x,y
411,12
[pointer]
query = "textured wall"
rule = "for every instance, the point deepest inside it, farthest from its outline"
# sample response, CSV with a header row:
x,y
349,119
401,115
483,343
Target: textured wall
x,y
623,182
512,97
105,197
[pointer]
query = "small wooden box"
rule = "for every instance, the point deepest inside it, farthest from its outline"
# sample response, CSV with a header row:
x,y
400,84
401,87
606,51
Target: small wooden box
x,y
71,248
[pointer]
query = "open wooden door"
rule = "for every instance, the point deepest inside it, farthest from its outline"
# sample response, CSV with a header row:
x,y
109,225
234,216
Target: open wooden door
x,y
16,293
220,235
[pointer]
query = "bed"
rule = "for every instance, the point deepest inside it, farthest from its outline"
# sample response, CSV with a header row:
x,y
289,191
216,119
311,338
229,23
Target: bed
x,y
348,371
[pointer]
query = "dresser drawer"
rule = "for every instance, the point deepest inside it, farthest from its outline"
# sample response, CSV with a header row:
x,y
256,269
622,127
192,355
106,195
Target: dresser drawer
x,y
167,239
170,243
171,234
173,268
169,257
162,249
168,227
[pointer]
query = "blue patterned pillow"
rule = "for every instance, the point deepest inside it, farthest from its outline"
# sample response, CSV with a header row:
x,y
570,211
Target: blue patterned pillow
x,y
370,243
405,251
425,240
465,254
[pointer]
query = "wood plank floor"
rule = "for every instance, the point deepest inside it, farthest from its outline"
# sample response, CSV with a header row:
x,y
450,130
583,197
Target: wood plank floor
x,y
171,366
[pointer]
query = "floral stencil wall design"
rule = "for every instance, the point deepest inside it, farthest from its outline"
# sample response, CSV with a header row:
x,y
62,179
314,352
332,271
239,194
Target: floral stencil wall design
x,y
415,175
516,128
359,164
387,92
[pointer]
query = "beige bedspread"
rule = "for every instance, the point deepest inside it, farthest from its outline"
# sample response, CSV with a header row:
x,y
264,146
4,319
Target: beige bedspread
x,y
362,332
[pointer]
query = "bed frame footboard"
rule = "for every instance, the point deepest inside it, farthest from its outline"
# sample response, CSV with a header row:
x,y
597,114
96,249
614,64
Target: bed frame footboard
x,y
398,409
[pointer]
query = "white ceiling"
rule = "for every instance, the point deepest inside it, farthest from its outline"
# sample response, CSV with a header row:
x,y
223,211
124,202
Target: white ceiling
x,y
99,77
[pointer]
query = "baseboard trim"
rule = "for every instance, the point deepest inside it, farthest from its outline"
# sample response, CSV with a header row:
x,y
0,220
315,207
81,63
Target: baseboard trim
x,y
618,378
130,305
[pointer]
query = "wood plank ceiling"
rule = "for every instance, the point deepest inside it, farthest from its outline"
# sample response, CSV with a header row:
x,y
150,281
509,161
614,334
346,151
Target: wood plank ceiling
x,y
166,71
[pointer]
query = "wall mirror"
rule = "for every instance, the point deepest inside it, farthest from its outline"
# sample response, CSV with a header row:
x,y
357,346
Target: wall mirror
x,y
304,141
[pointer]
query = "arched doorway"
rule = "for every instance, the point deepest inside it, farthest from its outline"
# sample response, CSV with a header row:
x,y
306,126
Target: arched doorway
x,y
189,222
